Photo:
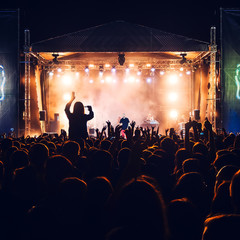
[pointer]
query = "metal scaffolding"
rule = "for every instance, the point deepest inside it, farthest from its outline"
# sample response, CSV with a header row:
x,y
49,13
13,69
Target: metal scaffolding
x,y
212,79
27,113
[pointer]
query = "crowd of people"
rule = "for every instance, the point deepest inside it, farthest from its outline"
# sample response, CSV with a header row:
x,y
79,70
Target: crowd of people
x,y
109,187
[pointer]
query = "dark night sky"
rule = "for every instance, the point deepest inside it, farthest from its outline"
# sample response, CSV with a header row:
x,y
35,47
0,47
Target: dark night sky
x,y
46,19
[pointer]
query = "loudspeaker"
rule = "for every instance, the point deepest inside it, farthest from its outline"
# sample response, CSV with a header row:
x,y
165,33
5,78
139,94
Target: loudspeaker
x,y
42,115
196,114
56,117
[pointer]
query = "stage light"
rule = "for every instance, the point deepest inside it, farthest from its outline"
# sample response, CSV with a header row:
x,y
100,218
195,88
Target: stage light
x,y
113,70
162,72
100,70
127,70
121,58
51,74
180,74
188,72
149,80
131,65
173,79
86,69
184,60
91,66
172,97
77,74
153,69
55,59
131,79
181,69
148,65
107,65
173,114
90,81
139,72
66,80
100,73
102,81
59,70
108,79
67,97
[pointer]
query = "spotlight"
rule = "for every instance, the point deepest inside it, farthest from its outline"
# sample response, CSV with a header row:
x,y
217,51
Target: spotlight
x,y
188,72
86,69
173,79
153,69
149,80
162,72
139,72
51,73
184,60
113,70
67,96
172,97
121,58
127,70
173,114
59,70
101,71
90,81
55,59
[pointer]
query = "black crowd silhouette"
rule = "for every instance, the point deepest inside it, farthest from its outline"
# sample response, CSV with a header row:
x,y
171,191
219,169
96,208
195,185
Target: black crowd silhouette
x,y
143,186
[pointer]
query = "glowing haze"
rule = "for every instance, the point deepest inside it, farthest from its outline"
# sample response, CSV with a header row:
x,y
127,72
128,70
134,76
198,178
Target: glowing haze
x,y
113,94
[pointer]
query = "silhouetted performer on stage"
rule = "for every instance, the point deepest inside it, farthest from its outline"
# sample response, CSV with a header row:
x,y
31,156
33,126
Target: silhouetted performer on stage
x,y
124,121
78,119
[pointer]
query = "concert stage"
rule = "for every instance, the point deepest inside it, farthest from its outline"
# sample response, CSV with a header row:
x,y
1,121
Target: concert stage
x,y
120,68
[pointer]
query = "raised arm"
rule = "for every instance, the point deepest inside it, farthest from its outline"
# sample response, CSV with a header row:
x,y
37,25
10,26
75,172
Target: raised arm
x,y
68,105
91,114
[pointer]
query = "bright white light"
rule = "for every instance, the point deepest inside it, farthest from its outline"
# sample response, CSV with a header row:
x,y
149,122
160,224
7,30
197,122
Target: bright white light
x,y
108,79
67,97
162,72
131,65
51,74
152,69
86,69
59,70
66,80
102,81
100,73
127,70
131,79
107,65
181,69
91,65
77,74
149,80
90,81
139,72
173,79
125,80
172,97
180,75
173,114
188,72
148,65
113,70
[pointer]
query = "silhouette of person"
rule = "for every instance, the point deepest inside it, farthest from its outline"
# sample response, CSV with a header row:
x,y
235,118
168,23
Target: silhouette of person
x,y
124,121
78,119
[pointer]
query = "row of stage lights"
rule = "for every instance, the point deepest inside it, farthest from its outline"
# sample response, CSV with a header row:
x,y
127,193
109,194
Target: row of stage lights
x,y
67,79
127,71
